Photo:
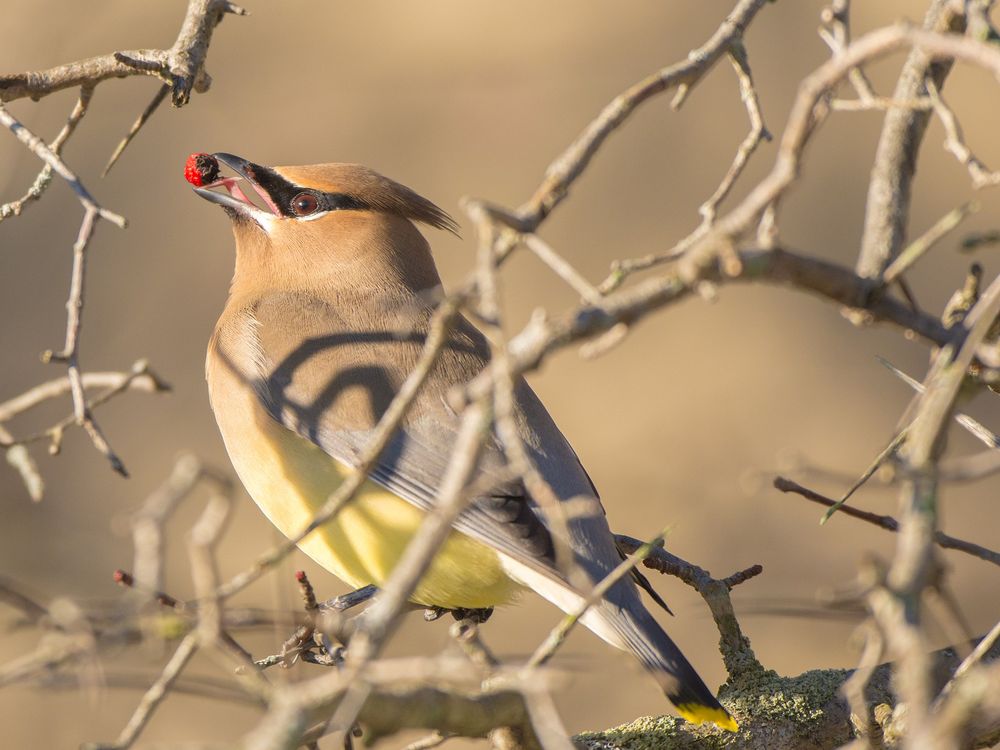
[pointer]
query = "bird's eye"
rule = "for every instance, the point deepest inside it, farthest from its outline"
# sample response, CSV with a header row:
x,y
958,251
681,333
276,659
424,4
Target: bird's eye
x,y
304,204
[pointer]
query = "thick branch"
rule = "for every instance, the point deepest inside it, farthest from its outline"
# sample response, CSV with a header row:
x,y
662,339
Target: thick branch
x,y
770,266
807,711
467,714
891,185
181,65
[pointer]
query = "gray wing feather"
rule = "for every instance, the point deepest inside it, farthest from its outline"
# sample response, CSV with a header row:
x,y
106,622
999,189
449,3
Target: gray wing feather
x,y
328,378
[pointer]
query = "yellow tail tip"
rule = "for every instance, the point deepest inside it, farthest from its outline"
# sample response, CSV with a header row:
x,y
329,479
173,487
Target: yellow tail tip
x,y
698,714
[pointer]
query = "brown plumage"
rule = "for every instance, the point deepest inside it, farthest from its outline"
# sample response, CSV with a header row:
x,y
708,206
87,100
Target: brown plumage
x,y
329,309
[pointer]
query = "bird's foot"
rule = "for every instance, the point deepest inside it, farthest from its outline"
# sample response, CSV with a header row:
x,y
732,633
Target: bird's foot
x,y
310,642
475,615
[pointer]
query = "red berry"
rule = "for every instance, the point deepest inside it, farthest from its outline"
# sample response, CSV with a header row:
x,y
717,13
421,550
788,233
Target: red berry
x,y
200,169
123,578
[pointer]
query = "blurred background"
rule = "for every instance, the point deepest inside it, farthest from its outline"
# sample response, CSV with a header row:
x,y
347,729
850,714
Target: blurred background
x,y
684,423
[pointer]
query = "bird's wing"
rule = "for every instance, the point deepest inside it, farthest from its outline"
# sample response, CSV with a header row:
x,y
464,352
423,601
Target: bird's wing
x,y
327,376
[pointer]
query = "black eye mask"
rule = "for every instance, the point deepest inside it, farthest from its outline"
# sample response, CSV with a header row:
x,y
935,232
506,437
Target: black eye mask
x,y
283,192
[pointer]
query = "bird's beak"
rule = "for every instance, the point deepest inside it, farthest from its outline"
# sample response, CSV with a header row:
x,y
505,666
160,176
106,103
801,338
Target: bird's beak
x,y
233,197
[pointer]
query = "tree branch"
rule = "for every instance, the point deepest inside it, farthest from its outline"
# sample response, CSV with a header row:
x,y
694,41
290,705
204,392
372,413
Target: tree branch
x,y
888,206
181,66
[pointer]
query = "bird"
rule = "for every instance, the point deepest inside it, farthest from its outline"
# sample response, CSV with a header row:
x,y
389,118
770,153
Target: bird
x,y
330,305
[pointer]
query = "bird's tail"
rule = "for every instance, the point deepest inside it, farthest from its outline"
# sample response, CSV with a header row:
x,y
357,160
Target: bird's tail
x,y
637,631
622,620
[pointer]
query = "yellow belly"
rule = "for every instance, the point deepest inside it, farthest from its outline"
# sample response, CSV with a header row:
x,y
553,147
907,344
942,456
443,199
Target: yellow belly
x,y
289,478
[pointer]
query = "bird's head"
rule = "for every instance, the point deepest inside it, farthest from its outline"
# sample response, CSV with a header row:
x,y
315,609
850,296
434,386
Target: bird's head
x,y
320,222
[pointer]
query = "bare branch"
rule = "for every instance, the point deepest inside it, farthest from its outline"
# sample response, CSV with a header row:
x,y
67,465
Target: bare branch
x,y
13,597
758,132
493,245
886,522
133,131
888,204
919,247
564,270
139,378
153,697
564,171
181,66
955,143
701,262
737,653
434,739
974,427
37,146
19,458
771,266
975,657
836,32
148,524
44,178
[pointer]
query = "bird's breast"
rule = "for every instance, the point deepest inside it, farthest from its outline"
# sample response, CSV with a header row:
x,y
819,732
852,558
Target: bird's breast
x,y
290,478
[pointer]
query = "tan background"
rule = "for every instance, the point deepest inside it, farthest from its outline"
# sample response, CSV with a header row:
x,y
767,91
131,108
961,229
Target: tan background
x,y
683,423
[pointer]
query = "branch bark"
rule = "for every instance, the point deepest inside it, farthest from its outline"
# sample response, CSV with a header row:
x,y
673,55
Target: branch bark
x,y
888,207
181,66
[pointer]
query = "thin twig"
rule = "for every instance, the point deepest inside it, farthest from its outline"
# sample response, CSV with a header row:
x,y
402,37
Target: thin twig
x,y
975,657
878,103
563,270
44,178
153,697
758,132
564,171
911,567
837,35
854,686
919,247
140,377
37,146
736,651
71,351
28,607
133,131
955,143
378,620
492,245
24,464
149,522
884,455
970,468
886,522
975,428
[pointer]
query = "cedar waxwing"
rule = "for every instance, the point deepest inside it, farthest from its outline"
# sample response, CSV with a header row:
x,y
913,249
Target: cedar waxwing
x,y
327,314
